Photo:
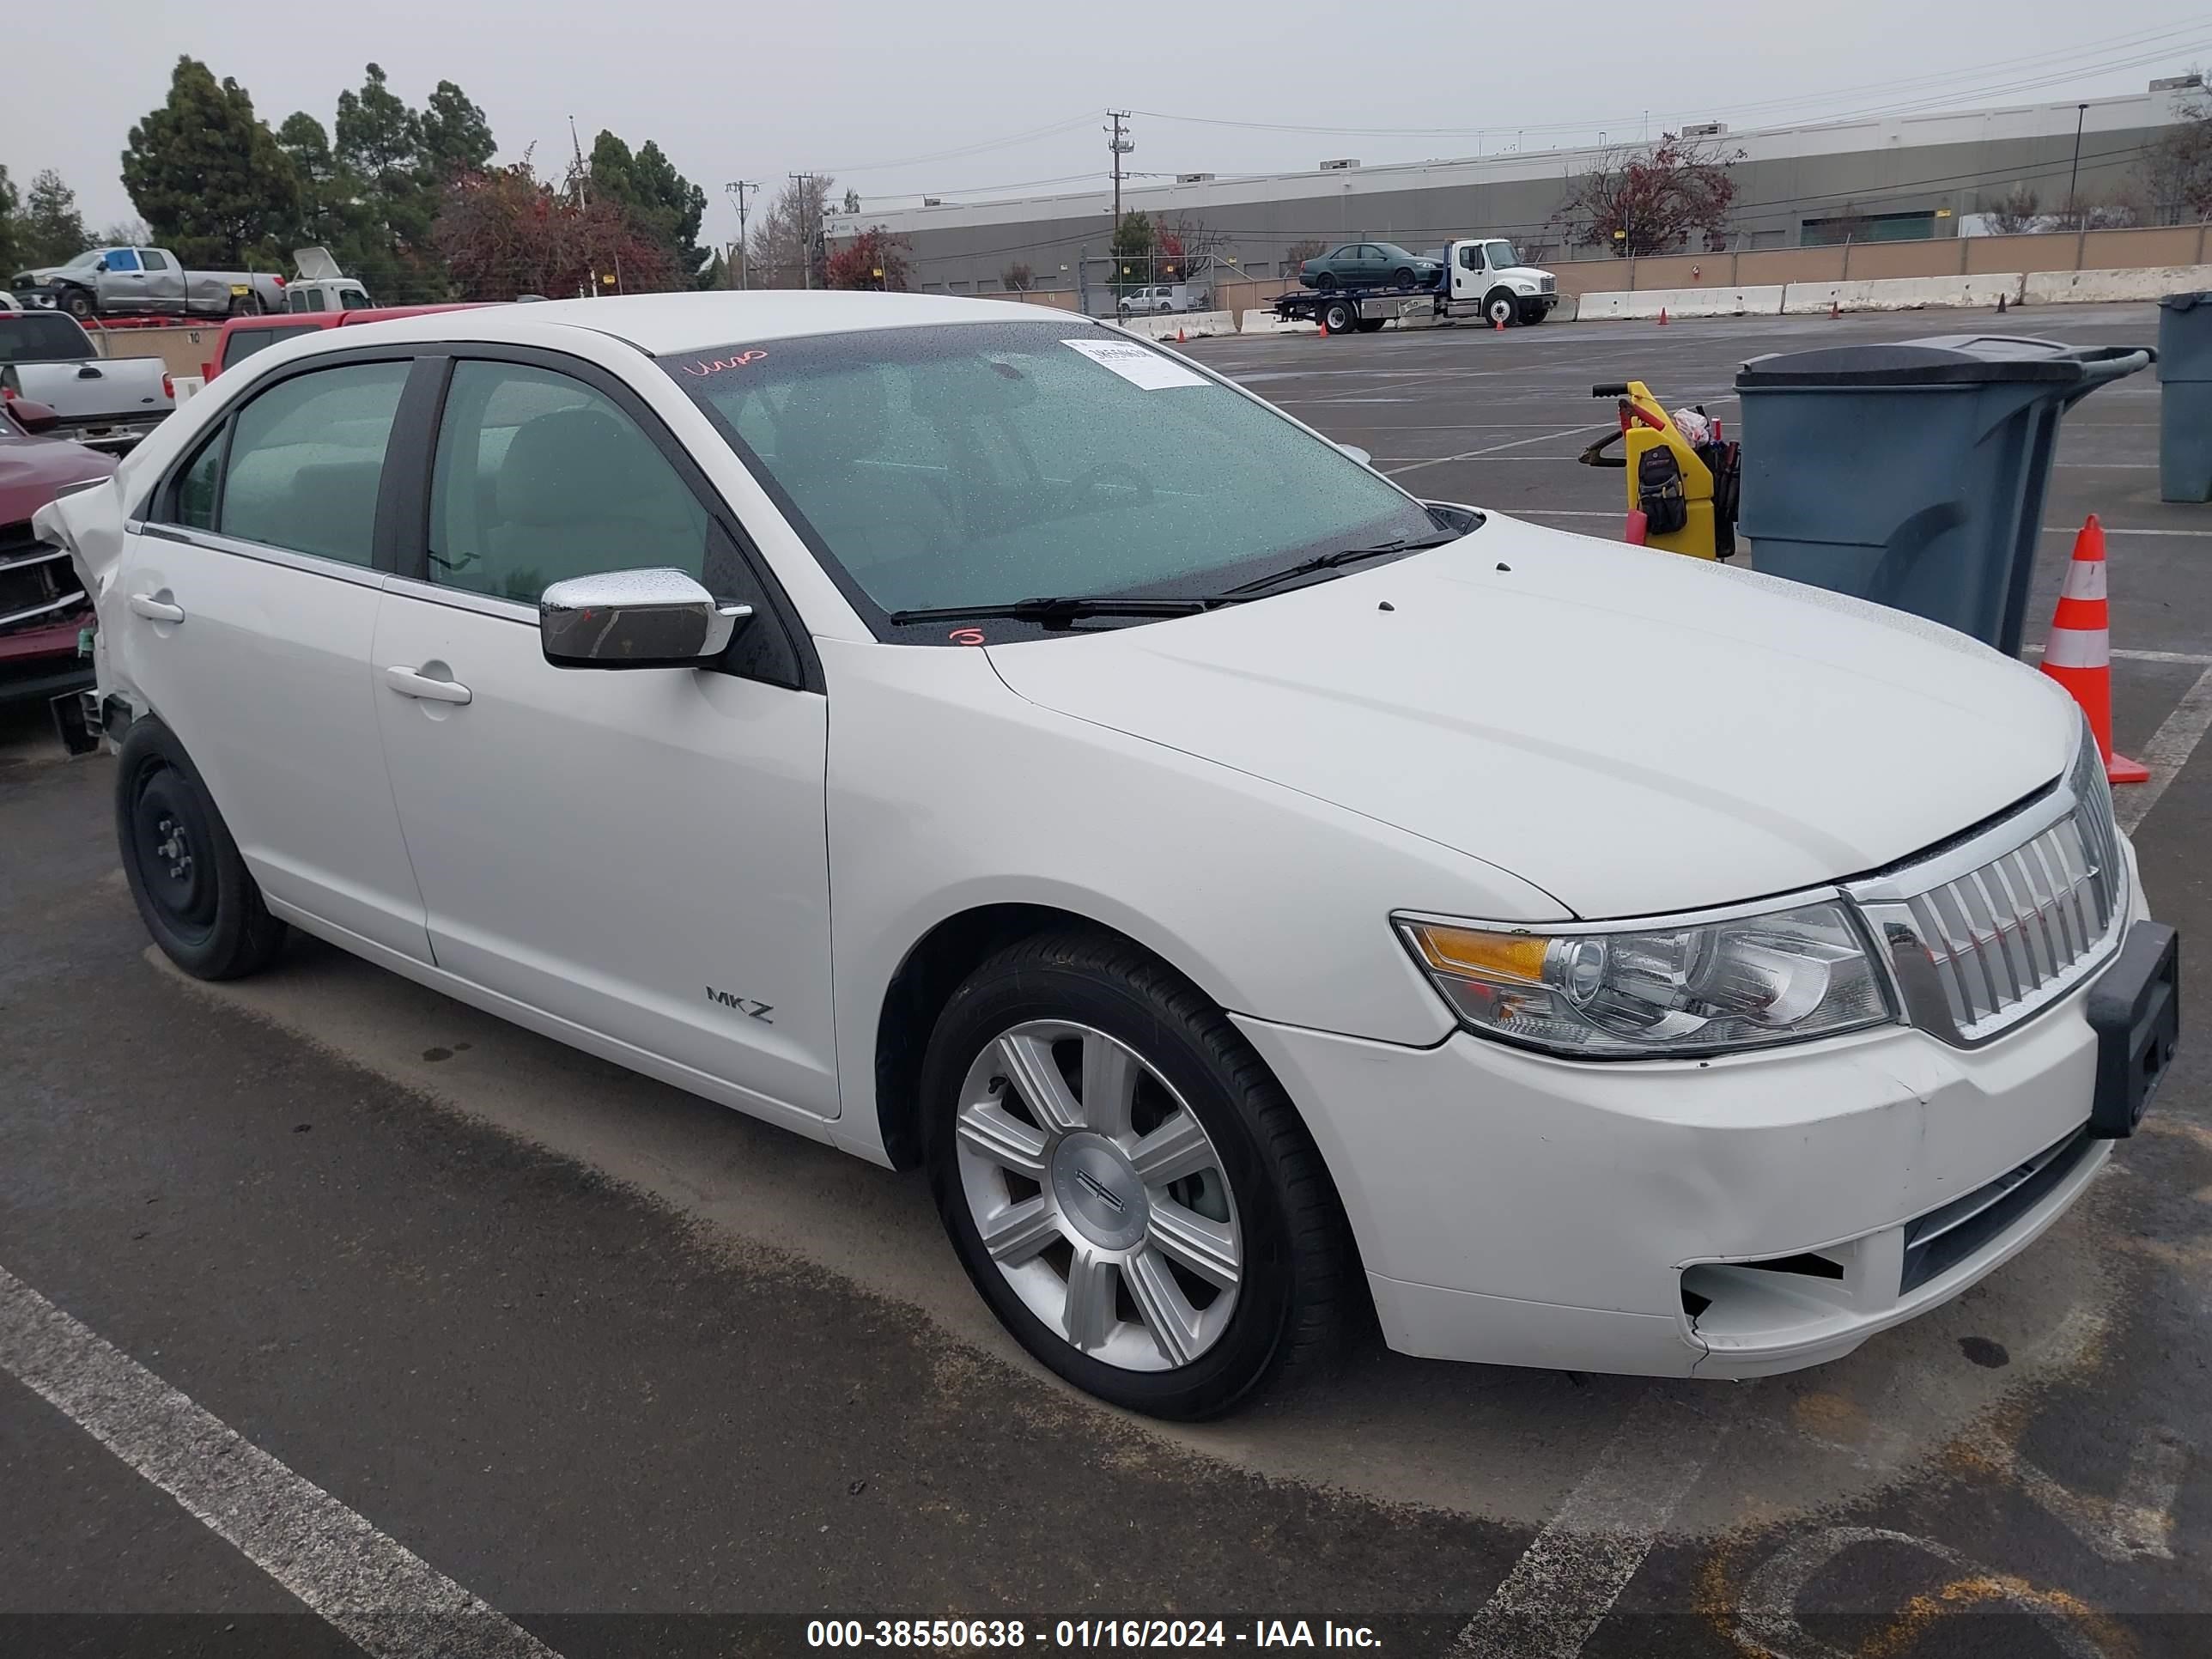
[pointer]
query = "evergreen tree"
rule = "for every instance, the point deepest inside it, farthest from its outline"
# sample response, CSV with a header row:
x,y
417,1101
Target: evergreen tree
x,y
52,228
668,207
206,173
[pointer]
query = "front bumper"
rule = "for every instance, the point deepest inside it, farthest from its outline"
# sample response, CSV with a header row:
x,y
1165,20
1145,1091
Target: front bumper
x,y
1728,1218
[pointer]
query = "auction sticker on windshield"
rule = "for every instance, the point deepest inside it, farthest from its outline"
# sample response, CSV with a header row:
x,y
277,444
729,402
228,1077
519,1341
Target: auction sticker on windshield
x,y
1149,369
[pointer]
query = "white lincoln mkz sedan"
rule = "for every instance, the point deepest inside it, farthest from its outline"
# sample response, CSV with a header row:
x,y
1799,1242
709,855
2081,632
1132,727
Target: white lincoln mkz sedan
x,y
970,737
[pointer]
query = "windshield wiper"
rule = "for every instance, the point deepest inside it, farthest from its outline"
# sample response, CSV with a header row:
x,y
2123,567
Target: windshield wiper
x,y
1342,557
1059,613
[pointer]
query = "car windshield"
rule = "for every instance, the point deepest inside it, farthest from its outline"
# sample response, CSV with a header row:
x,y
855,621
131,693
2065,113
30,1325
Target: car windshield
x,y
1500,255
987,462
33,337
91,256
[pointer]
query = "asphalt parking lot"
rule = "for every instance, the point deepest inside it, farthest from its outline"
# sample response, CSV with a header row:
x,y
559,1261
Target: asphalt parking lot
x,y
644,1376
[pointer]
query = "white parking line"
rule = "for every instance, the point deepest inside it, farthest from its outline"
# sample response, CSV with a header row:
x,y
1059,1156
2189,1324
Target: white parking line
x,y
1560,1590
1541,437
380,1596
2168,751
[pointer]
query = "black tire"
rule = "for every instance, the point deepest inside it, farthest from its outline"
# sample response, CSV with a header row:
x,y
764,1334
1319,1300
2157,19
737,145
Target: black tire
x,y
193,890
1498,306
1370,325
1401,278
76,301
1297,1280
1535,314
1339,316
1325,281
244,305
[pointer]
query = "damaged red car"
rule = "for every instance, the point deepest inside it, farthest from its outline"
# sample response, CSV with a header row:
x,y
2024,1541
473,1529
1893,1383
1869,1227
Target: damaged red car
x,y
43,607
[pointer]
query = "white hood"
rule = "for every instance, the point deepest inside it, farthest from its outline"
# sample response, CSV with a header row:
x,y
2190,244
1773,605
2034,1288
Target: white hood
x,y
1632,732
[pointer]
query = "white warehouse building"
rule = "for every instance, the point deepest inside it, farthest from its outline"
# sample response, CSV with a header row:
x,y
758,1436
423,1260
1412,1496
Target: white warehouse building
x,y
1889,178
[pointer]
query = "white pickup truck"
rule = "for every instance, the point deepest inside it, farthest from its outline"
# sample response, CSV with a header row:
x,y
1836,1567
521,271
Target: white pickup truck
x,y
145,281
104,402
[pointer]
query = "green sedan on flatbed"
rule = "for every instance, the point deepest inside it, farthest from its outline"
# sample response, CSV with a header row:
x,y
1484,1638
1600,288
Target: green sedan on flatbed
x,y
1369,265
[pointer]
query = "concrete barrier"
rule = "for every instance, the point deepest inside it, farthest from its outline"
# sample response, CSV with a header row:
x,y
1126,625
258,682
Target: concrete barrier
x,y
1901,293
2061,287
1644,304
1266,322
1192,325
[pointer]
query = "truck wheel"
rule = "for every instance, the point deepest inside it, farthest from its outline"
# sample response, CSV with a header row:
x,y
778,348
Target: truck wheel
x,y
1499,307
76,301
1370,325
244,305
1339,316
1535,314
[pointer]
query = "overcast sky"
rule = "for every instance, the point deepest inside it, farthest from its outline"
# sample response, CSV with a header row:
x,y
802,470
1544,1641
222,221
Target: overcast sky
x,y
879,93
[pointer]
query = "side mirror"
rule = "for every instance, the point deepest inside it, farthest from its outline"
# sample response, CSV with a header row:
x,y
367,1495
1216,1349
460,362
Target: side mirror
x,y
634,619
100,264
1364,457
33,417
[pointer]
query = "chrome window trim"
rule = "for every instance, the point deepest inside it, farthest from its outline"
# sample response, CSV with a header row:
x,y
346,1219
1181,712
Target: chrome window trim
x,y
461,599
314,564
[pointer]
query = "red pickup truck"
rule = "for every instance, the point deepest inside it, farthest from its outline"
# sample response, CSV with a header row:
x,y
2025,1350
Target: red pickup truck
x,y
242,337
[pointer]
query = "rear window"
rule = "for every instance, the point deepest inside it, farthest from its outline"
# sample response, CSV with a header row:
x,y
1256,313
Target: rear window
x,y
33,336
244,342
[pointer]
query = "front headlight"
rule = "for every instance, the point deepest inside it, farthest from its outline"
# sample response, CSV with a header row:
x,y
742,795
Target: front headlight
x,y
1665,989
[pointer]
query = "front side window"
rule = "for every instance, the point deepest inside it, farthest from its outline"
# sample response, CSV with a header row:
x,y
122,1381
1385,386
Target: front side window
x,y
539,478
307,461
122,258
987,463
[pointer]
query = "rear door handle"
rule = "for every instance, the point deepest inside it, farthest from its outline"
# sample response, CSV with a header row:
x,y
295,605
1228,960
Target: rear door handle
x,y
154,610
409,684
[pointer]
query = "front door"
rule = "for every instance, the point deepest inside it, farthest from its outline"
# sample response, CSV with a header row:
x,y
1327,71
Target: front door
x,y
641,854
250,607
1469,275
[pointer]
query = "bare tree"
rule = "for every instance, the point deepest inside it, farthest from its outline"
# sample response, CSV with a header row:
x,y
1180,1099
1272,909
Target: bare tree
x,y
2016,212
2177,170
1017,278
1305,248
786,244
1653,198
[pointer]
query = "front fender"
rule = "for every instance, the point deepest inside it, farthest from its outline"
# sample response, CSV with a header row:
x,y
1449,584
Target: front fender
x,y
947,792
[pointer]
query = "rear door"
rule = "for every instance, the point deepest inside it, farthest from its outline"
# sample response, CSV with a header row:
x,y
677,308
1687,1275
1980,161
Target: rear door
x,y
251,591
165,282
641,855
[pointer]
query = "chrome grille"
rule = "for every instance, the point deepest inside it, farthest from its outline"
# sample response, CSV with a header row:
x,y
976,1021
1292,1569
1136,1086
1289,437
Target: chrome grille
x,y
1548,285
1983,934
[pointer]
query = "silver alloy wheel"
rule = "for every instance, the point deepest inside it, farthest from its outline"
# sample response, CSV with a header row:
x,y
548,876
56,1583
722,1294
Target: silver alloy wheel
x,y
1099,1195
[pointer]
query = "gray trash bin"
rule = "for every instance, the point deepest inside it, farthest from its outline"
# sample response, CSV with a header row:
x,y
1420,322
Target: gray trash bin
x,y
1912,474
2184,415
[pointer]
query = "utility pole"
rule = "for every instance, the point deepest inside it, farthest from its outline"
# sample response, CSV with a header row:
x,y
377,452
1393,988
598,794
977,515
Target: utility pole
x,y
2081,114
1119,144
582,177
737,187
805,182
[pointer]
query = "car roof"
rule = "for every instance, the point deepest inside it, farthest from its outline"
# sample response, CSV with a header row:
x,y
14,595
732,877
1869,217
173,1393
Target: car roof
x,y
663,324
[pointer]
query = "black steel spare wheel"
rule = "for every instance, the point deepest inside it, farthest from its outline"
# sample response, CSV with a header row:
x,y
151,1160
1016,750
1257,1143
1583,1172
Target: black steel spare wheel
x,y
193,890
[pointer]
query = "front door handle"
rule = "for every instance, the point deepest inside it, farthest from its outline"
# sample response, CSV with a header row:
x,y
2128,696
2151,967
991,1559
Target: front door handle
x,y
409,684
154,610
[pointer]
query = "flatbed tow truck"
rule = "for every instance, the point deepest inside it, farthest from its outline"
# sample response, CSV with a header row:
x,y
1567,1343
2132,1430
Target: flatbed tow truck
x,y
1484,277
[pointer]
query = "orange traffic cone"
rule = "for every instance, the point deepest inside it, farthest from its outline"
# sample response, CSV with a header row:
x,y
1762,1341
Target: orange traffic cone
x,y
1662,316
1179,336
1835,311
2079,653
1497,325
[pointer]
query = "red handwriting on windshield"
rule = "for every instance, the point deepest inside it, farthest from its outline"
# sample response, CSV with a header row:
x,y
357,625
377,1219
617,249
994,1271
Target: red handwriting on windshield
x,y
716,366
